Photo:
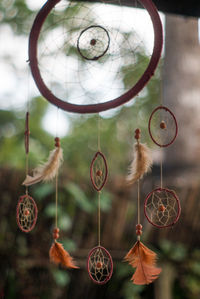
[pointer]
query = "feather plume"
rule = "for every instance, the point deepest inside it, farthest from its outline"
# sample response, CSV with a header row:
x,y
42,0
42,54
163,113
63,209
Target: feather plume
x,y
58,255
47,171
144,260
141,163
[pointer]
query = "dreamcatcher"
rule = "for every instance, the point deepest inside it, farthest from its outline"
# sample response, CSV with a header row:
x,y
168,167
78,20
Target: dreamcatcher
x,y
139,256
99,263
26,213
78,64
47,172
162,206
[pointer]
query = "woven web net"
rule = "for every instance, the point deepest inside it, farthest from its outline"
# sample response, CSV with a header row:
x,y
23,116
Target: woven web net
x,y
99,171
26,213
90,53
163,127
100,265
162,208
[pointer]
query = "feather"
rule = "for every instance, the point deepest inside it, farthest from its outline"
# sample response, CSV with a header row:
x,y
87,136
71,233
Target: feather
x,y
58,255
141,163
48,170
144,260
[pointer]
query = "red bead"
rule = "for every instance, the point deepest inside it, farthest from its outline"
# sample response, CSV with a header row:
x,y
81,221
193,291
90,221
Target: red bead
x,y
137,131
138,227
57,139
99,265
99,173
55,236
137,136
138,232
56,230
163,125
57,144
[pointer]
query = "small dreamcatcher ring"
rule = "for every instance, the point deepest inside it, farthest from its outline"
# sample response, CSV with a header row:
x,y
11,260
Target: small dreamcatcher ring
x,y
163,127
94,43
93,108
162,207
26,213
99,265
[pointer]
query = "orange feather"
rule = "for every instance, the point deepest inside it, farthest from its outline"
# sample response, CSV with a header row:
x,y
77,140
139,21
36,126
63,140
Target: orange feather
x,y
58,255
144,260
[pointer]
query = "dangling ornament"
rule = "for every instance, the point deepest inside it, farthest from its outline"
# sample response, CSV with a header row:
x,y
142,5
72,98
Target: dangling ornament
x,y
47,171
162,206
99,262
26,212
142,161
57,253
139,256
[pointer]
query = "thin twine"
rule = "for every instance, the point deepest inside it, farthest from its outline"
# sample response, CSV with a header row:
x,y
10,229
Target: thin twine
x,y
98,135
56,203
161,170
138,201
99,217
27,111
56,191
99,192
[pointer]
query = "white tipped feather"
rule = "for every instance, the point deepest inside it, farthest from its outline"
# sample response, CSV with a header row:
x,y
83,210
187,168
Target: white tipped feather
x,y
141,163
47,171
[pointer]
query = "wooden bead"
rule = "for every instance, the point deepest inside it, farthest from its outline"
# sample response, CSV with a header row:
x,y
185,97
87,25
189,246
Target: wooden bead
x,y
163,125
99,173
57,144
137,131
56,230
137,136
138,232
55,236
99,265
161,208
138,226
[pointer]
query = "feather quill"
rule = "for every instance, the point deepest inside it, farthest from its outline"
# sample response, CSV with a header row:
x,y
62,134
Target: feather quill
x,y
144,260
58,255
141,163
47,171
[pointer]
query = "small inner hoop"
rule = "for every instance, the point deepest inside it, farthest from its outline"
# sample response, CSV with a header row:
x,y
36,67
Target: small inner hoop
x,y
163,127
93,42
26,213
162,207
100,265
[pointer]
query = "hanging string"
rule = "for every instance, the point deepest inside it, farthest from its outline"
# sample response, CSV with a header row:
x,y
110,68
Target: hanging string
x,y
99,218
99,192
27,132
99,137
161,170
56,182
56,203
138,197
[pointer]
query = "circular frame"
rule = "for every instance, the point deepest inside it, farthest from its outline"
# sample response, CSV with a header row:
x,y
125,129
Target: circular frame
x,y
17,213
175,121
178,205
93,108
97,57
91,171
111,263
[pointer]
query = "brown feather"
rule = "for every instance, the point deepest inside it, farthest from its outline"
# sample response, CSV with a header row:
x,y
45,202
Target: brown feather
x,y
144,260
141,163
58,255
48,170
